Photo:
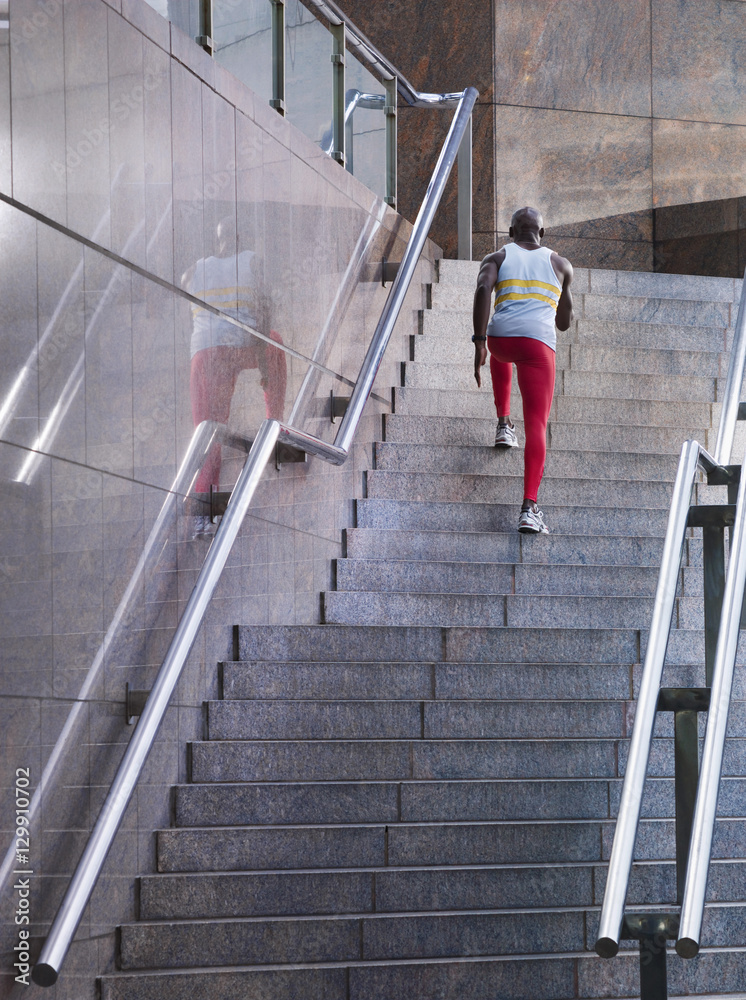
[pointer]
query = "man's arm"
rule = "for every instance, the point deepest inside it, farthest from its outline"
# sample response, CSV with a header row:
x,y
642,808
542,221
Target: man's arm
x,y
563,270
482,301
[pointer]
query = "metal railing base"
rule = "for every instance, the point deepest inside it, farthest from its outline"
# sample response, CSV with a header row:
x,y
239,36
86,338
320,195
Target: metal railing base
x,y
652,930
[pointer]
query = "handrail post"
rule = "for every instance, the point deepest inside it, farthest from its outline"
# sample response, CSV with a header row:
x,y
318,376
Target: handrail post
x,y
205,37
464,208
339,34
391,142
277,100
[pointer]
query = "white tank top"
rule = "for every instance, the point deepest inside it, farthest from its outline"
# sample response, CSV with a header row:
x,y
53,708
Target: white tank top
x,y
229,284
526,296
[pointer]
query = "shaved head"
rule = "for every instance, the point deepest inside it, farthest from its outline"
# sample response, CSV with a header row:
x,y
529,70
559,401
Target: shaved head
x,y
527,219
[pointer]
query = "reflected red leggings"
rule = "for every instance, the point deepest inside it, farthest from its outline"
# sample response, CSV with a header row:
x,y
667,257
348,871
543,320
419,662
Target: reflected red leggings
x,y
213,381
535,364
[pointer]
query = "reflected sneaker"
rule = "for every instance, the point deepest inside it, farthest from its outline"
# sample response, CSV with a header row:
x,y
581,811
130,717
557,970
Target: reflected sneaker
x,y
201,526
505,436
531,522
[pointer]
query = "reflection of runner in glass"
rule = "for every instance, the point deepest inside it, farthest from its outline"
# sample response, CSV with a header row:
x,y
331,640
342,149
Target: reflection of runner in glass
x,y
220,350
532,295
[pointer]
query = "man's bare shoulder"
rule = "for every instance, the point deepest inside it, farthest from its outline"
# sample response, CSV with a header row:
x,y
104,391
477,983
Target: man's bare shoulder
x,y
562,266
490,266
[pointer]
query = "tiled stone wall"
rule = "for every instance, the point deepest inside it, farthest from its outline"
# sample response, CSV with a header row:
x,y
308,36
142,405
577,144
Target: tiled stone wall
x,y
122,145
623,122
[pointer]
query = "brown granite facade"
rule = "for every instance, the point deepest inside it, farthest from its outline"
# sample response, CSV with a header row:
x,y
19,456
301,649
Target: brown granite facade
x,y
624,122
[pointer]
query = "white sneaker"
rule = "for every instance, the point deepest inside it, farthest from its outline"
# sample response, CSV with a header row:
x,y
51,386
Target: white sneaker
x,y
505,436
531,522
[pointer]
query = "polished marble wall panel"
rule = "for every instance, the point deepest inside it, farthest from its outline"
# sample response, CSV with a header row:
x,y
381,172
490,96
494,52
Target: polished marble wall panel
x,y
645,69
94,433
579,162
580,55
698,67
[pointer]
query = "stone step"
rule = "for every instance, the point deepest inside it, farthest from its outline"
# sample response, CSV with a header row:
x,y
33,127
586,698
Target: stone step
x,y
570,382
477,546
403,803
568,409
364,681
650,336
479,489
456,645
628,308
468,432
457,325
216,895
458,350
619,385
368,937
637,521
484,459
613,282
272,848
389,720
516,611
345,644
543,978
390,760
494,578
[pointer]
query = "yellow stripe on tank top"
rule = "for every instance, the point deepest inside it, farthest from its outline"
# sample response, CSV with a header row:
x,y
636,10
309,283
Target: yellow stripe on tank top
x,y
527,283
526,295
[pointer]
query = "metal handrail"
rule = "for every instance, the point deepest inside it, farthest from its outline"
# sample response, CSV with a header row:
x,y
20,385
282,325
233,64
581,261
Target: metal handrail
x,y
367,51
734,380
700,845
693,456
89,867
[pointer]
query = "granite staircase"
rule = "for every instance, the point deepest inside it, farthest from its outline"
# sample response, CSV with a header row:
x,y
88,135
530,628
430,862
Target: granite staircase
x,y
416,799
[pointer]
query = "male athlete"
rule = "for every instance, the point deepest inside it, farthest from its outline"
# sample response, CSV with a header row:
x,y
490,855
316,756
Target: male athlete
x,y
532,296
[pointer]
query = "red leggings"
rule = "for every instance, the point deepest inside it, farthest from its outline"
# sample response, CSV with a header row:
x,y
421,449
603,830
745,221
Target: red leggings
x,y
213,381
535,364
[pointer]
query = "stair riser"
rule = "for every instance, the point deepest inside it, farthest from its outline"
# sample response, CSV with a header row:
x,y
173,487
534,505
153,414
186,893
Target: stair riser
x,y
361,681
423,759
438,645
562,437
408,802
534,611
457,326
458,351
351,939
488,547
502,489
570,409
421,577
484,459
410,720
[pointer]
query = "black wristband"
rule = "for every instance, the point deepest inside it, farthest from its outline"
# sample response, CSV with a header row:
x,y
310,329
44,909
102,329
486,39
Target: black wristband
x,y
475,338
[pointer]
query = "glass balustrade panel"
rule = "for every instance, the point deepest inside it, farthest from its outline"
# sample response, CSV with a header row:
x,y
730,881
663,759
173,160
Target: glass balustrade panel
x,y
366,126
